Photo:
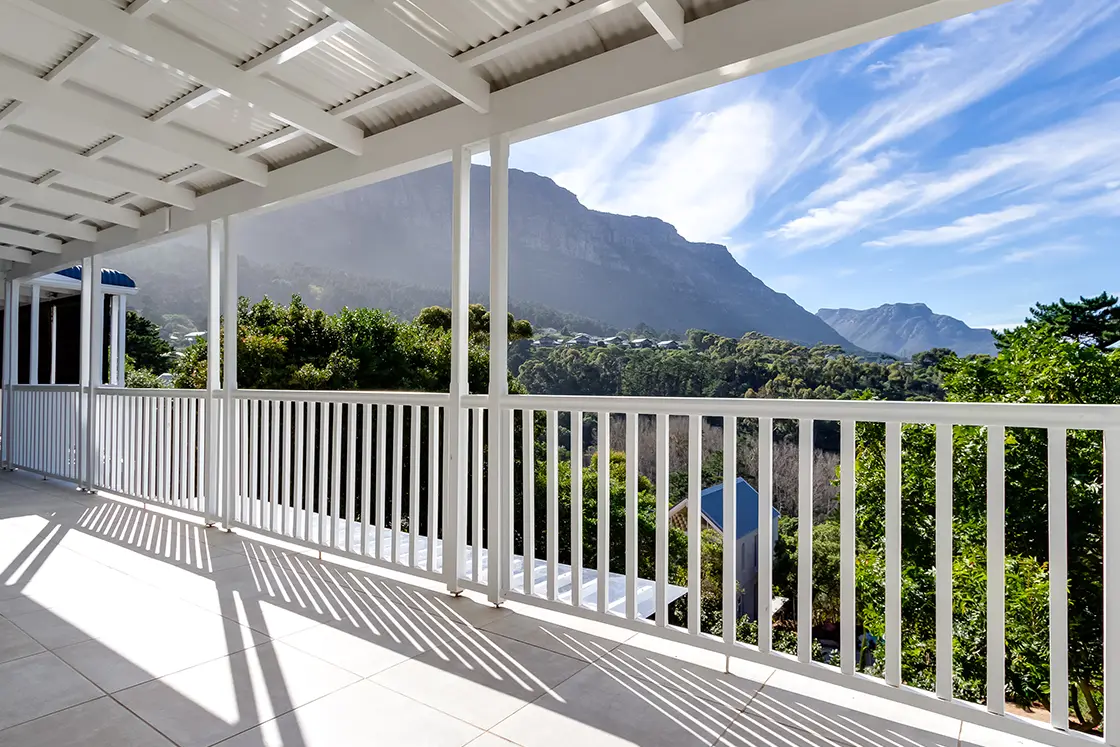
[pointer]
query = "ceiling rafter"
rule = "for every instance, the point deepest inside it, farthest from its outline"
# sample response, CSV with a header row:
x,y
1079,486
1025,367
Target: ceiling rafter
x,y
32,221
400,40
667,19
15,254
30,241
172,49
67,203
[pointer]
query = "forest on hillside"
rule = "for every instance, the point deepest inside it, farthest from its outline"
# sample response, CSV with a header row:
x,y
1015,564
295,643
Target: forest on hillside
x,y
1061,354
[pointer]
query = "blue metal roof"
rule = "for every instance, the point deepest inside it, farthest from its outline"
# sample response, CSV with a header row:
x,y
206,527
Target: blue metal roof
x,y
746,507
108,277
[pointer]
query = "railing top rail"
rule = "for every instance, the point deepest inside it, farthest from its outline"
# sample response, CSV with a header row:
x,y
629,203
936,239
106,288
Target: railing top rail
x,y
112,391
1089,417
45,387
436,399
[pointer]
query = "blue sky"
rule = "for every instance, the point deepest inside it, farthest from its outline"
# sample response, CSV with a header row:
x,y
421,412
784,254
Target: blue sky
x,y
973,165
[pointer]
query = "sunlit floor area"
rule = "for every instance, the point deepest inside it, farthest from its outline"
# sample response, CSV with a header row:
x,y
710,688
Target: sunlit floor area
x,y
126,627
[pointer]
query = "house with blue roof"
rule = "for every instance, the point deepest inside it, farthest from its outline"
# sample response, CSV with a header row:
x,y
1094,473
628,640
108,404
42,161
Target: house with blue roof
x,y
746,533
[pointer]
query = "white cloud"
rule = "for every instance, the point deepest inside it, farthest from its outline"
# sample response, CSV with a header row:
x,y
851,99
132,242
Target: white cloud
x,y
862,53
1016,257
823,225
909,65
968,227
853,176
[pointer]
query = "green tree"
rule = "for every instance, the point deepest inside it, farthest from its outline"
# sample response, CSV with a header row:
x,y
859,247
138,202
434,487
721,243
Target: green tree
x,y
144,346
1089,321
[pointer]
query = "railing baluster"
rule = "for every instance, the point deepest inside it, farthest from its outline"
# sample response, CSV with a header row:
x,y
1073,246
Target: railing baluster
x,y
351,474
414,485
577,508
944,561
129,445
603,543
275,476
765,534
193,453
893,539
1059,603
255,438
552,510
398,479
694,438
528,500
286,471
244,508
847,546
335,500
805,540
309,481
382,472
323,507
367,474
299,457
730,531
184,456
476,495
631,515
661,524
996,519
1111,586
268,474
434,492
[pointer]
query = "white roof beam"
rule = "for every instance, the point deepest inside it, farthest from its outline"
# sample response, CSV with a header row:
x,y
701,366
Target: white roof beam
x,y
67,203
161,44
15,148
13,254
24,87
667,19
30,241
398,39
31,221
293,47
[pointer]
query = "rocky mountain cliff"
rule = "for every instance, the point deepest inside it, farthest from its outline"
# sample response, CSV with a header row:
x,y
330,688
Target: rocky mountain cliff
x,y
618,270
903,329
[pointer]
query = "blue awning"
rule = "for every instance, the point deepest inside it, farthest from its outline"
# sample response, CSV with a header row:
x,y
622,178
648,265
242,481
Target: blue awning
x,y
108,277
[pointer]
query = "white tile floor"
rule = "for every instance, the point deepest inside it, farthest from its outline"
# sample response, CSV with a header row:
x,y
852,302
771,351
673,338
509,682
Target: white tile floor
x,y
124,627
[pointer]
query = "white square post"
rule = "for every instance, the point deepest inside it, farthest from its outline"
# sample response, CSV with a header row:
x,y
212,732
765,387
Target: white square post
x,y
498,432
33,369
455,511
85,330
96,369
120,342
229,372
11,364
116,374
54,344
216,240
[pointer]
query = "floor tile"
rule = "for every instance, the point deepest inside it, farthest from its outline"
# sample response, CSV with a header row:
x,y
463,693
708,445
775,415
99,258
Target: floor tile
x,y
364,651
492,740
360,715
480,678
50,629
563,639
37,685
602,707
15,644
213,701
131,655
981,736
99,723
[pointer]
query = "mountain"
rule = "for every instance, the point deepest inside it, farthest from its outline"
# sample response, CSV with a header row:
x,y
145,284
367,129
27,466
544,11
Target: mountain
x,y
903,329
618,270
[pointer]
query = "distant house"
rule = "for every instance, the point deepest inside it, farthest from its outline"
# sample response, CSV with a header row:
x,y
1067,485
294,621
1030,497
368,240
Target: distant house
x,y
669,345
642,342
545,342
746,532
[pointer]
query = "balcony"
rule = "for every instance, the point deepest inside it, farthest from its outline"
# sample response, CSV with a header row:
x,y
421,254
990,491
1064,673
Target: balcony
x,y
372,587
122,623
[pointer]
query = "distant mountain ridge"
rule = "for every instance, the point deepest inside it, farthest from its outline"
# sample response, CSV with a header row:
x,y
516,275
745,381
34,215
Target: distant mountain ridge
x,y
903,329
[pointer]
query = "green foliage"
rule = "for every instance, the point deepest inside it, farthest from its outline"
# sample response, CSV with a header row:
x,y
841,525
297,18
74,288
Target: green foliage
x,y
1088,321
297,347
139,378
144,346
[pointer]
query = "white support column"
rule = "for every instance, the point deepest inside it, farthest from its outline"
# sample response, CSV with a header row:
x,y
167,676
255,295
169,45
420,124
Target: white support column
x,y
115,374
120,345
96,369
9,357
229,382
84,331
500,496
216,240
54,344
33,369
455,512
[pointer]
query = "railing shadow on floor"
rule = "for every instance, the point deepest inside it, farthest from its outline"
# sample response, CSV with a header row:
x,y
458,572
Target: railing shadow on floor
x,y
601,686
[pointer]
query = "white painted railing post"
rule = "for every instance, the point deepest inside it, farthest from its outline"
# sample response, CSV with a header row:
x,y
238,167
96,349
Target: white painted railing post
x,y
499,498
1111,500
33,369
455,512
120,344
84,345
96,369
116,374
216,240
232,449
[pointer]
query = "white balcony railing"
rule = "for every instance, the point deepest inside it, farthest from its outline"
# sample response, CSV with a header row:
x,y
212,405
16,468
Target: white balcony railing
x,y
370,475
